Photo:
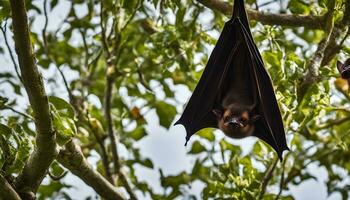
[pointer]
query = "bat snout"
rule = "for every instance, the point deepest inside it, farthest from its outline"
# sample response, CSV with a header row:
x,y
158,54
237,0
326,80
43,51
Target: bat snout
x,y
235,123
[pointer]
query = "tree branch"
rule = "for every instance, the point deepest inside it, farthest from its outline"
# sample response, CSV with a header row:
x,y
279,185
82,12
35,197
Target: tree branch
x,y
333,123
111,72
73,159
35,169
267,178
282,182
309,21
111,134
104,154
28,117
6,190
3,30
339,29
312,74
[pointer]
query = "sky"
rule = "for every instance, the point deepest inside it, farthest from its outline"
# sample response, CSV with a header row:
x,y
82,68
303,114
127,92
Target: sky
x,y
164,147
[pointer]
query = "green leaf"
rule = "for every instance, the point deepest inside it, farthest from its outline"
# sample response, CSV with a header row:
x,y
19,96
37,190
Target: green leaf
x,y
56,169
165,112
64,126
228,146
15,148
197,148
53,3
299,7
147,163
138,133
62,106
207,133
175,181
4,9
5,130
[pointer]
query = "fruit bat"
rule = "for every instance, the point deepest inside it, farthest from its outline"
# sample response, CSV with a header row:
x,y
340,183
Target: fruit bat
x,y
344,70
235,92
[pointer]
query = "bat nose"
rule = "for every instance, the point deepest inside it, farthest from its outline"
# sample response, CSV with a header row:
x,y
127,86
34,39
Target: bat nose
x,y
236,124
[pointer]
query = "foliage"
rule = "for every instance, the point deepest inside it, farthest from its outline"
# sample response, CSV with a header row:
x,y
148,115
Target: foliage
x,y
155,46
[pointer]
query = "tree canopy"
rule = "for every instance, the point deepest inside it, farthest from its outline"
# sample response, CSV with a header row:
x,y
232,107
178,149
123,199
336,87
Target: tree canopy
x,y
79,79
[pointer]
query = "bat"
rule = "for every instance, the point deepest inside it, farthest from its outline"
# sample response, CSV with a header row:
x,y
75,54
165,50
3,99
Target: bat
x,y
344,70
235,93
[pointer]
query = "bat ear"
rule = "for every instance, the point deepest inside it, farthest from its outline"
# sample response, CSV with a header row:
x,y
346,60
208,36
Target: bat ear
x,y
347,62
256,118
218,112
340,66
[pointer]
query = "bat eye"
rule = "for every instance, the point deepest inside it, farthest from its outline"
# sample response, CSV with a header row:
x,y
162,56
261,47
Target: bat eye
x,y
243,120
226,119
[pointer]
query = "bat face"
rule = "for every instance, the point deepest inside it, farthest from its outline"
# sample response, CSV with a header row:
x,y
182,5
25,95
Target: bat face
x,y
235,121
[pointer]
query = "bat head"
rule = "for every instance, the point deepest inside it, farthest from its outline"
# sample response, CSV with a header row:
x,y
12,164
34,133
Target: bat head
x,y
236,121
344,69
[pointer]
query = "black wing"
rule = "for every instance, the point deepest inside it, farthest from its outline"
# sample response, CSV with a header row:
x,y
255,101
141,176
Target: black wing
x,y
198,112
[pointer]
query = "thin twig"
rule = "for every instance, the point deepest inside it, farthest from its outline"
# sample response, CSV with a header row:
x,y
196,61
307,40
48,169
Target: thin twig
x,y
142,81
333,123
138,5
267,178
47,50
282,181
30,118
86,48
3,30
45,25
70,94
104,155
291,175
108,115
103,31
110,77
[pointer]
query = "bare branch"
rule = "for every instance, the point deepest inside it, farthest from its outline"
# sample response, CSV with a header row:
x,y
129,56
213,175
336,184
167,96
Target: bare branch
x,y
28,117
281,182
111,72
70,94
309,21
103,31
86,49
111,134
45,25
3,30
47,51
104,154
73,159
35,169
267,178
334,123
138,6
6,190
